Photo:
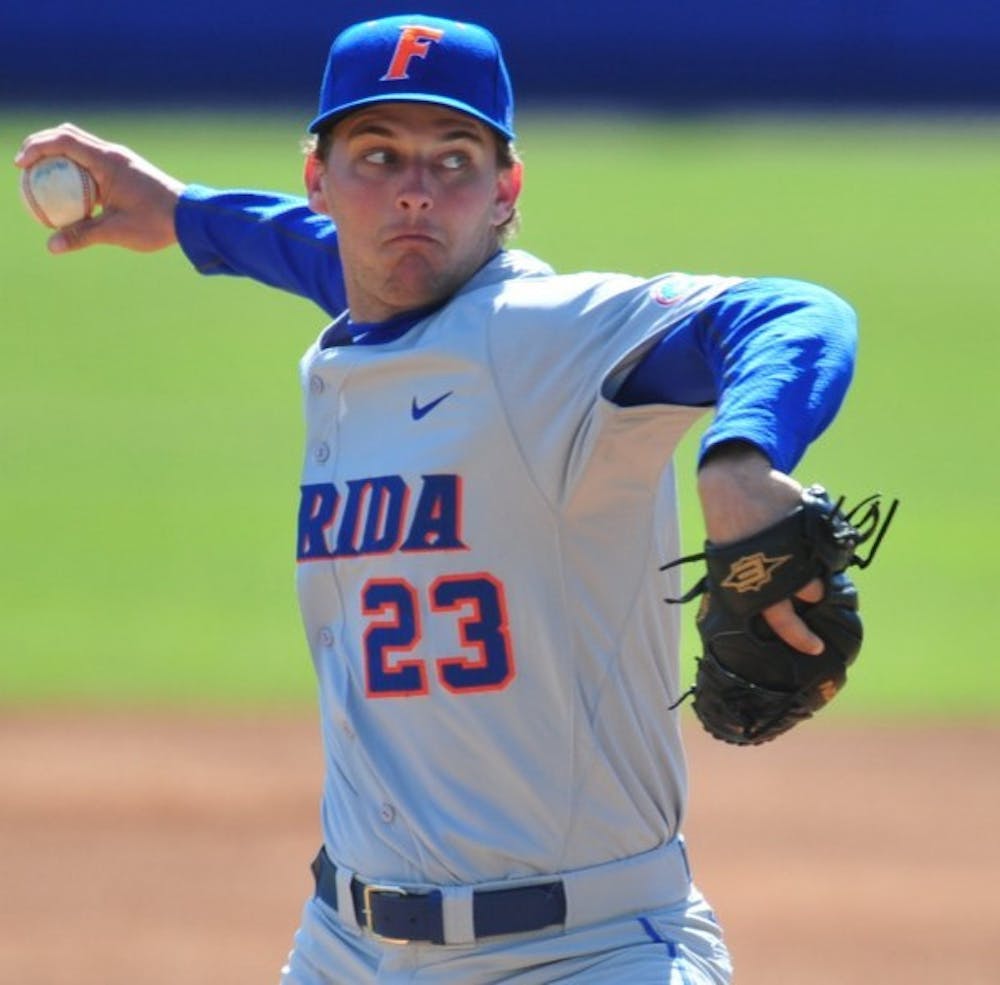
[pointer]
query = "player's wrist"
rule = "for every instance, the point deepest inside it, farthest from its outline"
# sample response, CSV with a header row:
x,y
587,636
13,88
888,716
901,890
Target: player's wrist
x,y
742,493
734,452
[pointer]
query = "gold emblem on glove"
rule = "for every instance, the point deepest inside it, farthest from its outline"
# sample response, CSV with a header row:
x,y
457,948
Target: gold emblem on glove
x,y
753,572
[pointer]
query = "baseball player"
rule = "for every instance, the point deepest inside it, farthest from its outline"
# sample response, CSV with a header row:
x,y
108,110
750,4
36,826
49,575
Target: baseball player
x,y
486,497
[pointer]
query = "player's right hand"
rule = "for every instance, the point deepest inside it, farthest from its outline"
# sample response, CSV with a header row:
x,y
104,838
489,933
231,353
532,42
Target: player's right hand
x,y
137,199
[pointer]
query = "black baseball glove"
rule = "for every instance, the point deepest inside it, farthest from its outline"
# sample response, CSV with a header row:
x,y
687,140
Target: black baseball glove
x,y
750,685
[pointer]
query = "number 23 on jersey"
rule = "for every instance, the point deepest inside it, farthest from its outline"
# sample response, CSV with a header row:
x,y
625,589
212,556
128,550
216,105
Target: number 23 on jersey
x,y
395,662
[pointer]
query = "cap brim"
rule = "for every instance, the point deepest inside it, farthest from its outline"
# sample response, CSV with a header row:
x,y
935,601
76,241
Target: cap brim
x,y
407,97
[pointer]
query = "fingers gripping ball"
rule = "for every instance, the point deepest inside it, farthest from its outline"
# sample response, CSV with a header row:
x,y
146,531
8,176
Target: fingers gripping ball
x,y
58,192
750,685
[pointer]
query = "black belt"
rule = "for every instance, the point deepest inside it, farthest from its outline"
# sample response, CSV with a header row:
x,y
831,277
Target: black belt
x,y
399,915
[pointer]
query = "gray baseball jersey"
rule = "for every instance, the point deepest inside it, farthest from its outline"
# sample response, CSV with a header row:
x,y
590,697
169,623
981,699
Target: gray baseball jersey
x,y
479,534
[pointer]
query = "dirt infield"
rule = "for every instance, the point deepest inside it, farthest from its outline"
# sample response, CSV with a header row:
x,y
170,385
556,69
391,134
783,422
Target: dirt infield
x,y
148,850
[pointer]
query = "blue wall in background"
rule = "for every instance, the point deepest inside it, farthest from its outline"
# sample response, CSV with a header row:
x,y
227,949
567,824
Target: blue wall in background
x,y
671,53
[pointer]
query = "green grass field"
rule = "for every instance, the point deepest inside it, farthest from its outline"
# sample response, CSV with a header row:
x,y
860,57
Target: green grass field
x,y
150,417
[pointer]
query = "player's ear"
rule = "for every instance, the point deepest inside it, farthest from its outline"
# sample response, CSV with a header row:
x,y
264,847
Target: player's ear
x,y
314,177
509,180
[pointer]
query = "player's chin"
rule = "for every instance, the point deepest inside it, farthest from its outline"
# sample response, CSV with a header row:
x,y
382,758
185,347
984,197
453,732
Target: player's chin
x,y
418,280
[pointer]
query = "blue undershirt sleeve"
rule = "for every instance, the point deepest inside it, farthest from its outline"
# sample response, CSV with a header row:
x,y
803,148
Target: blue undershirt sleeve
x,y
276,239
775,357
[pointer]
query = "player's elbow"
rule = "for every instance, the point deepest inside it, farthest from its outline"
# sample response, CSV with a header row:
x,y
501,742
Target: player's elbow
x,y
816,310
830,310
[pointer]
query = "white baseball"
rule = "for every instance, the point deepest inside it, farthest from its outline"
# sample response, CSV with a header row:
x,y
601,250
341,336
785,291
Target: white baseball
x,y
58,191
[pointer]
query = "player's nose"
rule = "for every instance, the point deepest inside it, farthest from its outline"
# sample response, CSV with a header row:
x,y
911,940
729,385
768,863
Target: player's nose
x,y
414,192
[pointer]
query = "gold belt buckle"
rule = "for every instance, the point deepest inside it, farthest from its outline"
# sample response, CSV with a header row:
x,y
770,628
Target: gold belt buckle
x,y
375,887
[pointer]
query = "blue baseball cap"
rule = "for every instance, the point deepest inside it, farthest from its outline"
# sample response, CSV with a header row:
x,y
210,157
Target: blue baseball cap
x,y
417,59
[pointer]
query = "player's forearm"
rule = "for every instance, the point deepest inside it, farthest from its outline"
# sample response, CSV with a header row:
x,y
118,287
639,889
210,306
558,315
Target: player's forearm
x,y
741,492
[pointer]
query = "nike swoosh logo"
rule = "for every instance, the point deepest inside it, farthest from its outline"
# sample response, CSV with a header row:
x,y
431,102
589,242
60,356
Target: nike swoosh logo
x,y
417,411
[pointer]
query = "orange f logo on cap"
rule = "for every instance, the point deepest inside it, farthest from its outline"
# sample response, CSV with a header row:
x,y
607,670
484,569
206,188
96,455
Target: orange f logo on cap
x,y
414,42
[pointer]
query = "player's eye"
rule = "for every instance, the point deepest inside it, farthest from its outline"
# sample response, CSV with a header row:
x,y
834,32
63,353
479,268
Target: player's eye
x,y
378,156
454,161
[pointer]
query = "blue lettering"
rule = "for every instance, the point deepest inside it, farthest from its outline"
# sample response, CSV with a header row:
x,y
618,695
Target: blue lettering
x,y
317,509
384,525
437,516
373,519
349,521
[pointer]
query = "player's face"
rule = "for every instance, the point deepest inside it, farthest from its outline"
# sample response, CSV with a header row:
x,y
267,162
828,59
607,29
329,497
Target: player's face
x,y
417,195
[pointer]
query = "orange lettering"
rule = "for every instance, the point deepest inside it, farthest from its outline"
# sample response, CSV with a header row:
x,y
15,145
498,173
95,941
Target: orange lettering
x,y
414,42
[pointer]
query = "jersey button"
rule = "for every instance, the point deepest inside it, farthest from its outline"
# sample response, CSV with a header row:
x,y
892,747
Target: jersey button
x,y
387,813
321,452
325,637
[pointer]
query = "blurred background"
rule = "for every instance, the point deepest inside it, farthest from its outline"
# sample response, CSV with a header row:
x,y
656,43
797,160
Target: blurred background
x,y
661,54
150,417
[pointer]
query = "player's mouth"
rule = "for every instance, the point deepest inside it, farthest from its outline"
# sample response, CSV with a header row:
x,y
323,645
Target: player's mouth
x,y
412,237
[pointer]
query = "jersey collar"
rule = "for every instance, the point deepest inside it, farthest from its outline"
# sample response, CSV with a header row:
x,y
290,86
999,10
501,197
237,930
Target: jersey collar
x,y
346,332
